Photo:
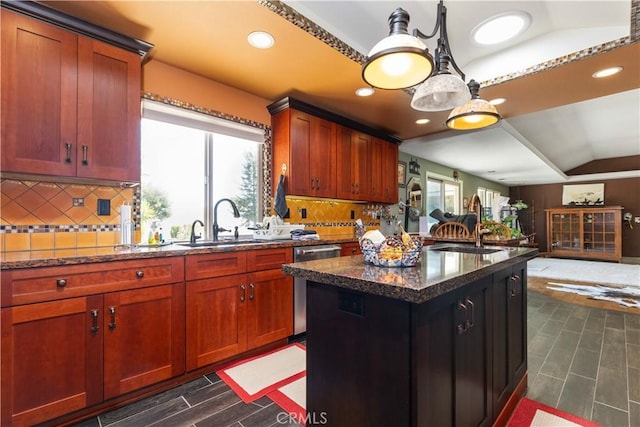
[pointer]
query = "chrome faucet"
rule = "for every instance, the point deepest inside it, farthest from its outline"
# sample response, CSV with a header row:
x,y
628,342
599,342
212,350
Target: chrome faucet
x,y
217,229
193,237
476,206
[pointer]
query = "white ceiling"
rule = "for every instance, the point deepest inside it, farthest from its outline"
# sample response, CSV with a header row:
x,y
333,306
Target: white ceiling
x,y
534,148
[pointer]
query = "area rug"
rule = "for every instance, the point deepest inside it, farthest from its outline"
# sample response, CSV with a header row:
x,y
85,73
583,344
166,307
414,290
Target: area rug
x,y
293,399
584,271
626,296
257,376
529,413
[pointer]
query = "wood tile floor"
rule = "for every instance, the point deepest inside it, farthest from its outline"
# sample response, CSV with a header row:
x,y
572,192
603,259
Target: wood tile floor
x,y
585,360
204,402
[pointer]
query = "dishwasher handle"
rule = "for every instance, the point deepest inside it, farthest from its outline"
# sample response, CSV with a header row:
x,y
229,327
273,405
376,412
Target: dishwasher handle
x,y
317,250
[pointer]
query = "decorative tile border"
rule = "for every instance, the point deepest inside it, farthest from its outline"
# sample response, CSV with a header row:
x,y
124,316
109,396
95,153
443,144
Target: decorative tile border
x,y
52,228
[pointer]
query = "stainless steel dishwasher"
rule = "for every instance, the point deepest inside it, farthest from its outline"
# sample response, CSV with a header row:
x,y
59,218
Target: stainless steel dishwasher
x,y
300,254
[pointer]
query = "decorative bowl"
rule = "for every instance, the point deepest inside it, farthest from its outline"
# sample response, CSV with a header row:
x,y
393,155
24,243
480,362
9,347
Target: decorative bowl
x,y
391,255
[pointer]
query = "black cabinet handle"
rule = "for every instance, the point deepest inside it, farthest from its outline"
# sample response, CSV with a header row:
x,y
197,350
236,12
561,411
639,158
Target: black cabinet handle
x,y
469,324
85,148
244,292
515,280
252,290
61,283
462,327
112,324
68,147
94,318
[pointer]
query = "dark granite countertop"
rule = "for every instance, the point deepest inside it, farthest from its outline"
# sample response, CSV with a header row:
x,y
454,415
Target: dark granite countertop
x,y
50,258
437,273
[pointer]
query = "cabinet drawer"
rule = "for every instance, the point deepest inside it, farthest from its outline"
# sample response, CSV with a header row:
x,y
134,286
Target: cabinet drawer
x,y
351,248
215,265
267,259
51,283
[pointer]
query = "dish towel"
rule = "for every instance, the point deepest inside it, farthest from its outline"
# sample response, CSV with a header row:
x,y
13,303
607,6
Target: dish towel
x,y
280,205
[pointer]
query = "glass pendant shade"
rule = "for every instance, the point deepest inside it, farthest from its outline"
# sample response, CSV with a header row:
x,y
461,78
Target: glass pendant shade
x,y
440,92
399,60
475,114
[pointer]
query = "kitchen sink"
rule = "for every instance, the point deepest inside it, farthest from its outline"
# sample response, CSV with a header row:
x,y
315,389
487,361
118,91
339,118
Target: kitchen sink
x,y
468,250
224,242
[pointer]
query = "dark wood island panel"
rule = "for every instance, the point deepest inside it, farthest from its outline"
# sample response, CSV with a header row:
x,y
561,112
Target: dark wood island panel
x,y
455,358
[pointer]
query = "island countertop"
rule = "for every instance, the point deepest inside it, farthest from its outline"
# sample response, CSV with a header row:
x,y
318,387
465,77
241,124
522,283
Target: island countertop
x,y
438,272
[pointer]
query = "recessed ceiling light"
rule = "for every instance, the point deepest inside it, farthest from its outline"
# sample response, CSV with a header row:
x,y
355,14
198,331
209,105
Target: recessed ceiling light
x,y
260,39
422,121
497,101
501,27
606,72
365,91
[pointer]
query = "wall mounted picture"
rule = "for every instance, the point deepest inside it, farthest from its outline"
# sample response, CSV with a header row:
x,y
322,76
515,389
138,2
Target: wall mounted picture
x,y
402,174
583,195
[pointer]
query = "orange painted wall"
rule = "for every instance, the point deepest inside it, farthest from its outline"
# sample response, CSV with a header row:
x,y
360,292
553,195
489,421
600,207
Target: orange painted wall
x,y
168,81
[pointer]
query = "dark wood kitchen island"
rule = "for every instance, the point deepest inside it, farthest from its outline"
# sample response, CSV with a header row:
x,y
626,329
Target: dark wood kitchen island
x,y
439,344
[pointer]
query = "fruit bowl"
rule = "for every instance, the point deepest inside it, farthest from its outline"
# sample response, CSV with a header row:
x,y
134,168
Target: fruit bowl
x,y
392,252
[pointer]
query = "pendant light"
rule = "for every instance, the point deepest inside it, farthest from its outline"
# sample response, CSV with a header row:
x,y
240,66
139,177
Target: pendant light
x,y
399,60
439,92
474,114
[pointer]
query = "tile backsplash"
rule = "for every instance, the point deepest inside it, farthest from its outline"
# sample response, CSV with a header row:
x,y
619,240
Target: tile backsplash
x,y
334,217
37,215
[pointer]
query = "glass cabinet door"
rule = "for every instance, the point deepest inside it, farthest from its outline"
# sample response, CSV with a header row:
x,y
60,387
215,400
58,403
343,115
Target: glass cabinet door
x,y
566,231
599,232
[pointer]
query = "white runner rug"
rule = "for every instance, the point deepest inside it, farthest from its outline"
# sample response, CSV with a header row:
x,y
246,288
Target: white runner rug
x,y
585,271
257,376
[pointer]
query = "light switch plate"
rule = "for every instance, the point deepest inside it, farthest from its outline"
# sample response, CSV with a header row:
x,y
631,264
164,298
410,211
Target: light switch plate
x,y
104,207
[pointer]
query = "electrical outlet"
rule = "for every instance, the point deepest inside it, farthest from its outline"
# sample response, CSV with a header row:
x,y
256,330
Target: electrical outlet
x,y
637,219
303,213
78,201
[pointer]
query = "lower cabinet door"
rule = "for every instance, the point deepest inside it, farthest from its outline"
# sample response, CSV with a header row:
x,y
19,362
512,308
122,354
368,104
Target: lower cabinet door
x,y
216,319
509,320
51,359
452,343
270,308
143,337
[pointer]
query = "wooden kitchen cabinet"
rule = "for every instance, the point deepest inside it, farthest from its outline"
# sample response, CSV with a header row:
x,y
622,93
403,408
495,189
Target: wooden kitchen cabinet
x,y
67,344
354,165
383,178
70,104
51,362
510,332
143,337
593,233
244,304
459,326
330,156
456,360
307,146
